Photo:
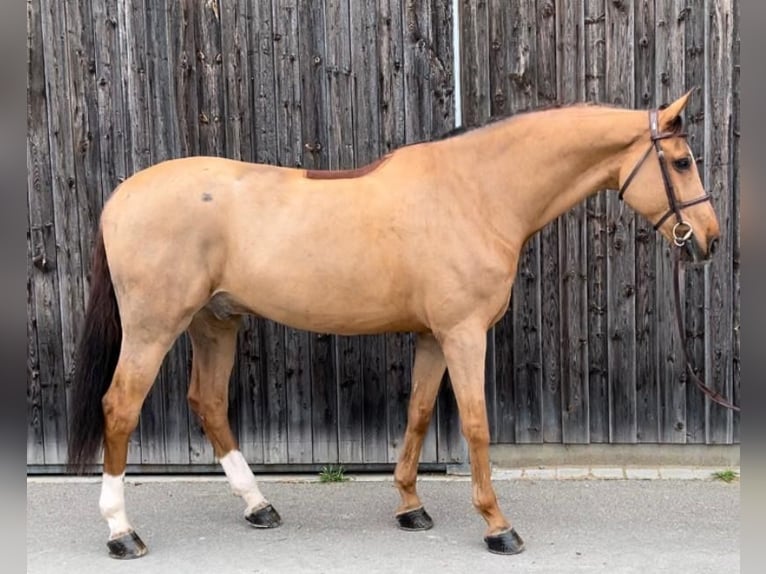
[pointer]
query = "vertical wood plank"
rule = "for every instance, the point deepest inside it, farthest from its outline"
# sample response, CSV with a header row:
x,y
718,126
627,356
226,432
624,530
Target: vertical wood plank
x,y
621,247
521,88
248,391
298,390
596,237
210,77
35,446
66,224
550,320
647,392
185,72
366,73
322,348
572,243
340,151
718,172
235,43
398,346
735,217
324,398
669,70
109,97
150,22
175,376
474,62
350,400
694,121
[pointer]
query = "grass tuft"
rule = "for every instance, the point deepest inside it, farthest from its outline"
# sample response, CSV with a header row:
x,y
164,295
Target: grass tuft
x,y
332,474
727,475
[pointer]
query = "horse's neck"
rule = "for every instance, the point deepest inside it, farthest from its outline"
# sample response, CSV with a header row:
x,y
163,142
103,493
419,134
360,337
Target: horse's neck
x,y
533,168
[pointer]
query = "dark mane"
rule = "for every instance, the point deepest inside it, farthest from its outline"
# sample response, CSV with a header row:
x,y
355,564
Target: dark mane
x,y
464,129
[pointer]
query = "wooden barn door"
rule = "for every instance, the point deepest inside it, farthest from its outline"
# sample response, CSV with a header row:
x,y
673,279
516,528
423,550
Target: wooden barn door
x,y
330,84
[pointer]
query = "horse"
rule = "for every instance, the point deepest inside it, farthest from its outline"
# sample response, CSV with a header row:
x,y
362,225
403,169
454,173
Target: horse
x,y
424,240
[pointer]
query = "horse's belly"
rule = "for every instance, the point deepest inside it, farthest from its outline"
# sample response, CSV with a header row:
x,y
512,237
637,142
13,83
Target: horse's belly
x,y
329,297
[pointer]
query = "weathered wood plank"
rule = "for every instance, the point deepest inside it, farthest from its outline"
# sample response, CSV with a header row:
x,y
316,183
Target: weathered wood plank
x,y
474,62
324,398
235,43
596,237
183,68
274,393
109,97
521,88
248,391
350,399
175,376
621,269
374,412
718,178
210,89
550,320
298,390
311,43
315,135
694,120
572,242
66,224
45,362
647,392
735,216
35,446
398,384
398,346
365,65
669,70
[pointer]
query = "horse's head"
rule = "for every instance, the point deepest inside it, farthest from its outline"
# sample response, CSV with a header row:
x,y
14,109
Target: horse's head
x,y
659,180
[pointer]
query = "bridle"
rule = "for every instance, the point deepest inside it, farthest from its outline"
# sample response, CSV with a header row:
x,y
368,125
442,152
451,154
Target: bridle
x,y
682,232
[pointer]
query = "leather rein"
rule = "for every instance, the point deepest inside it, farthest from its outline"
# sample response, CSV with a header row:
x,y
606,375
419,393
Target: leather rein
x,y
682,232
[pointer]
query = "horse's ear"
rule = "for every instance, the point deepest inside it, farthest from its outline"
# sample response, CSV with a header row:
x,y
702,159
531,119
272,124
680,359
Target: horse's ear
x,y
670,115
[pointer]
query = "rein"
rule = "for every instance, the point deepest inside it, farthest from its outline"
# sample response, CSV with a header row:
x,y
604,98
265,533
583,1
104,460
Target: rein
x,y
682,232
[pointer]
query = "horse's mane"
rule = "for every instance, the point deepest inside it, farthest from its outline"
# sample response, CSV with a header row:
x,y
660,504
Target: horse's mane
x,y
464,129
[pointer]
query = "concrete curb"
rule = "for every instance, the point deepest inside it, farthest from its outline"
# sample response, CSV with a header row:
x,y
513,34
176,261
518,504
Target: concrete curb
x,y
535,473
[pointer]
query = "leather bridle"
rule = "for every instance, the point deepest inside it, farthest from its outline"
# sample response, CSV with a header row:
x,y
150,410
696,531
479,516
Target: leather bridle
x,y
682,232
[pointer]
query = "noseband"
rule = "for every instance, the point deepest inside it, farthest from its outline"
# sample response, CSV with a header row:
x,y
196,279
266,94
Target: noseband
x,y
682,230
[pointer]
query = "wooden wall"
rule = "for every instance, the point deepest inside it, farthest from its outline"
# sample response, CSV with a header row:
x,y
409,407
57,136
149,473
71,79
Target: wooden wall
x,y
587,352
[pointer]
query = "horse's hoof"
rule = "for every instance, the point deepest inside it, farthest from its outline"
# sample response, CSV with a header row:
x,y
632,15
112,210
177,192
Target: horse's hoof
x,y
127,546
508,542
417,519
266,517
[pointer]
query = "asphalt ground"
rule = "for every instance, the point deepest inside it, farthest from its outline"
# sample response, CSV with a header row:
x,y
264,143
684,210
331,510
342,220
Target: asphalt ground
x,y
197,526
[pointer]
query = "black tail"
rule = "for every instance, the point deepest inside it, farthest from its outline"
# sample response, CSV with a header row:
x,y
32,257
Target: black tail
x,y
95,363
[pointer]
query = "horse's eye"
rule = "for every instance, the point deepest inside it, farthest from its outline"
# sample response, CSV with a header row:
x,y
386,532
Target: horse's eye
x,y
682,164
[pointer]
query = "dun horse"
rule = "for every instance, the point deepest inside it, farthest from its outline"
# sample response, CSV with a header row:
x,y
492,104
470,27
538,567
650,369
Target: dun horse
x,y
425,240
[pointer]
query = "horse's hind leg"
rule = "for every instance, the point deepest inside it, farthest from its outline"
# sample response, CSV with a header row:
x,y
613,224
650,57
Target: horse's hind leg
x,y
426,377
134,375
214,344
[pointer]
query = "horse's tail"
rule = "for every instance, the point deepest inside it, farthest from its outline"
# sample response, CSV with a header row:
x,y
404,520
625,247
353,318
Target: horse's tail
x,y
96,360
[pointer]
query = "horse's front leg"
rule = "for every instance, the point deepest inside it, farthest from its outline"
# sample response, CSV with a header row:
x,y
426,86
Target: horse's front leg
x,y
465,349
427,374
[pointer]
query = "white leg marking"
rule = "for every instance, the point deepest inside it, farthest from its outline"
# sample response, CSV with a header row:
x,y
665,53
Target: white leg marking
x,y
112,504
242,480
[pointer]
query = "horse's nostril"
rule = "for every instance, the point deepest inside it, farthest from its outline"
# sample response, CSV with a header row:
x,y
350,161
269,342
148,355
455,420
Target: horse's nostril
x,y
712,246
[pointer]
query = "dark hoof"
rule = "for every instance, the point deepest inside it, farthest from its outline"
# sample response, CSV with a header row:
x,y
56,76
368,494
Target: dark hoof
x,y
126,547
508,542
417,519
266,517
